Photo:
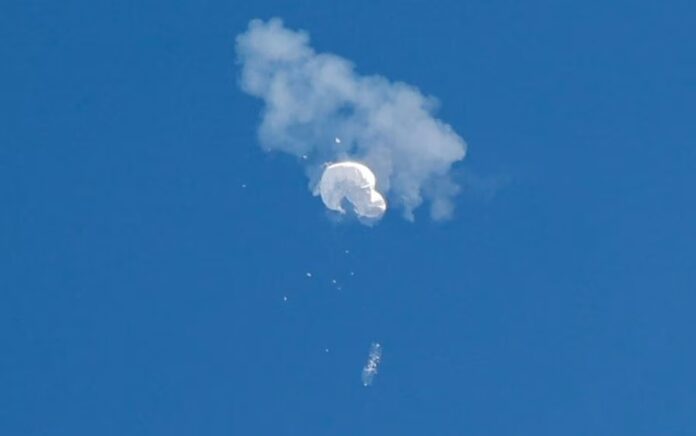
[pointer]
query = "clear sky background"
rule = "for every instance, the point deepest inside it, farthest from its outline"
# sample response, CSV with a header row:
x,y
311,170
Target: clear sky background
x,y
142,287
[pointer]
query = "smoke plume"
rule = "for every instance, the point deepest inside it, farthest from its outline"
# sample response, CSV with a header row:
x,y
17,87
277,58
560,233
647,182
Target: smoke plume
x,y
312,99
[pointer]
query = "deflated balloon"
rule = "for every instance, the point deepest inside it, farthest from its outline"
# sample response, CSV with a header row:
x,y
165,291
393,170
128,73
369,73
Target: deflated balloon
x,y
355,183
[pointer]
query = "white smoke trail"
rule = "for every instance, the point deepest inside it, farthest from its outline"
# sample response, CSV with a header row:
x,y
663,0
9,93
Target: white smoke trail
x,y
311,99
370,369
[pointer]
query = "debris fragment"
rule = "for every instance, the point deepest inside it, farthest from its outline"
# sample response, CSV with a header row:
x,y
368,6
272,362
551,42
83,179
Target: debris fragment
x,y
370,369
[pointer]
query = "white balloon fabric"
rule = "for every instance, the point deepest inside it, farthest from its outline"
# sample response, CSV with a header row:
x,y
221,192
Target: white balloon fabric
x,y
354,182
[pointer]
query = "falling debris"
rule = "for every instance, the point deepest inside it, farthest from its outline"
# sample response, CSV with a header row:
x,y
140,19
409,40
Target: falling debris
x,y
370,369
352,273
326,350
334,281
354,182
347,251
243,185
285,298
304,157
309,274
337,140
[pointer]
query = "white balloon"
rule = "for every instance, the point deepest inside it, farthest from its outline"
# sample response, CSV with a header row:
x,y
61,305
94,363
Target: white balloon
x,y
354,182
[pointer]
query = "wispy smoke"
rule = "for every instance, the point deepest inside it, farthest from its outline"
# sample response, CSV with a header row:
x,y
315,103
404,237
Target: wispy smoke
x,y
312,98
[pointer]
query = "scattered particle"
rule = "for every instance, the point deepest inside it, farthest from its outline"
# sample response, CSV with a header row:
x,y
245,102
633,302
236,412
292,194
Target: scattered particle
x,y
285,298
243,185
352,273
347,251
334,281
309,274
337,140
326,350
304,156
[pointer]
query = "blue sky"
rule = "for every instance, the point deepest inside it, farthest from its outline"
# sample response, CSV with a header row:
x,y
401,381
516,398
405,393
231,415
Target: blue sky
x,y
141,287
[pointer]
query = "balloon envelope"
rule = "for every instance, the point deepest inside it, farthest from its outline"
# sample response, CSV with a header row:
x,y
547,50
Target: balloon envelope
x,y
354,182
